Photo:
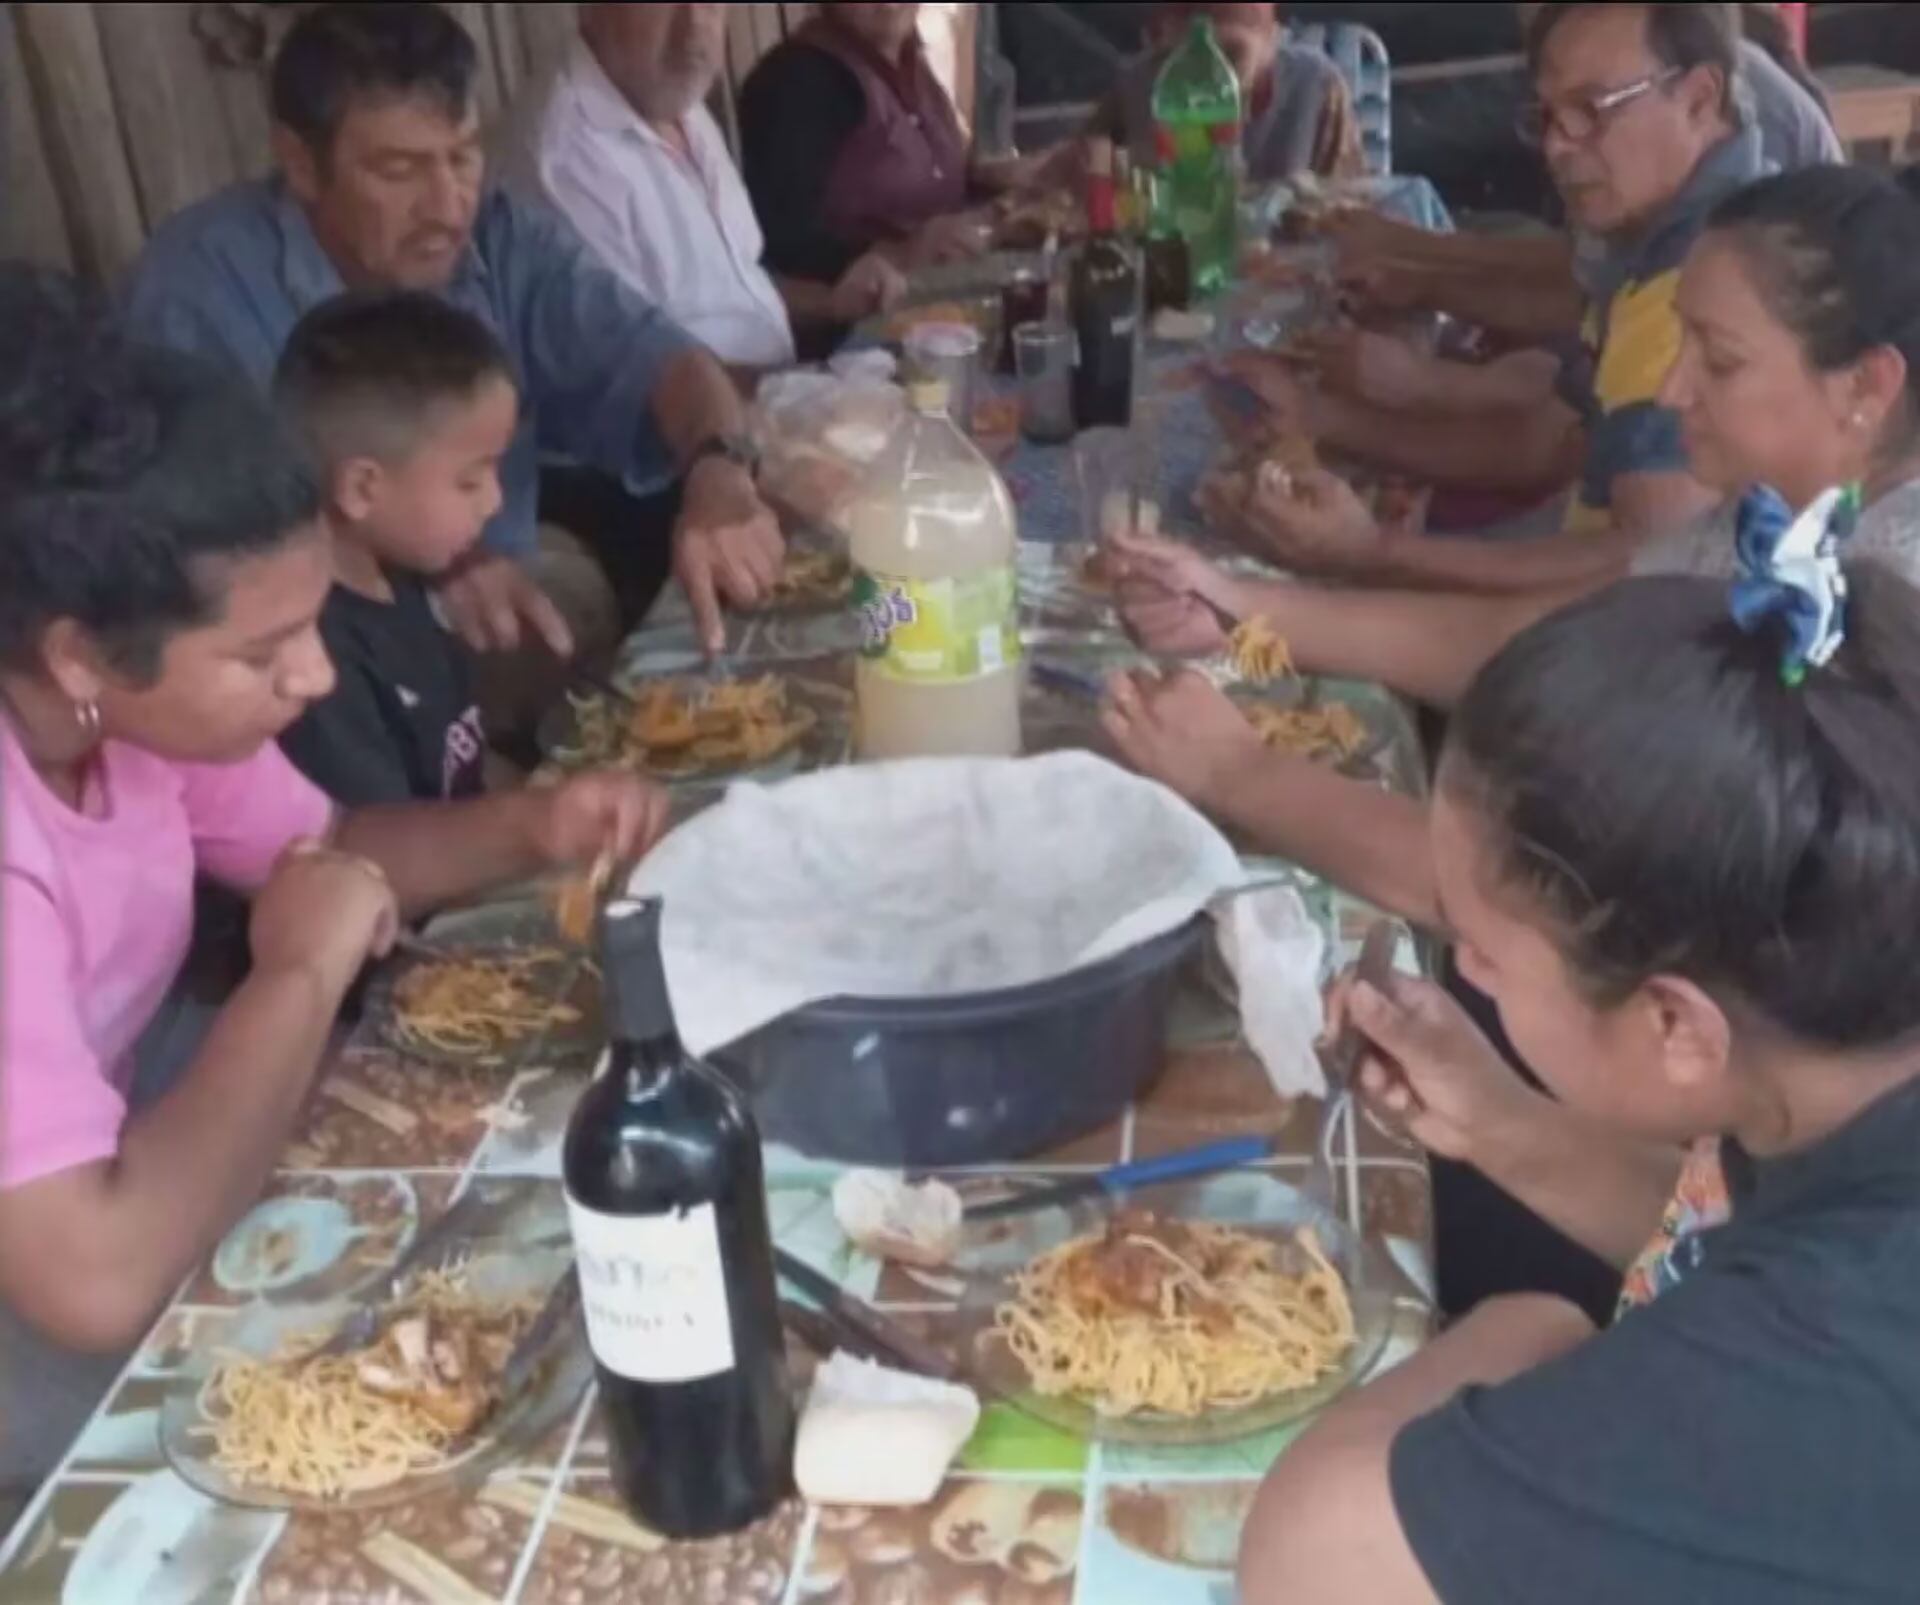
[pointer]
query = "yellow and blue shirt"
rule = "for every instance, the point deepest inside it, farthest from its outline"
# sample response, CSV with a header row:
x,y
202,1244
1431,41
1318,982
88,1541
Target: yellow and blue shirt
x,y
1631,337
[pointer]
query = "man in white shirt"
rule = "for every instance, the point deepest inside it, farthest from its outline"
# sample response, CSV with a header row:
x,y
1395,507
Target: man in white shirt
x,y
623,146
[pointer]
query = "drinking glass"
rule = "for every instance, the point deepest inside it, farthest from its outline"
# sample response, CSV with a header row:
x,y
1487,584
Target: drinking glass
x,y
1043,353
948,352
1118,473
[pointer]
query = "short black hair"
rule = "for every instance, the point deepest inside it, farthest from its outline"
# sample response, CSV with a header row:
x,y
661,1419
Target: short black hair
x,y
336,53
1654,787
128,474
1835,252
367,373
1681,37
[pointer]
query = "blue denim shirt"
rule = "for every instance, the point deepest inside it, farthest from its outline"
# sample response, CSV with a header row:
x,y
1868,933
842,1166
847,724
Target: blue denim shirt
x,y
229,278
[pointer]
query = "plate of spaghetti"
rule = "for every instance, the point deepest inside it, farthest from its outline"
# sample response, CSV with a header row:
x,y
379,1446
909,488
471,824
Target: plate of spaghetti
x,y
1329,730
810,578
503,983
265,1419
683,728
1198,1313
1301,724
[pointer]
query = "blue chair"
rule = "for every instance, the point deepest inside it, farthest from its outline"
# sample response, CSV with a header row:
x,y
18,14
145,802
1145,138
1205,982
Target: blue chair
x,y
1361,56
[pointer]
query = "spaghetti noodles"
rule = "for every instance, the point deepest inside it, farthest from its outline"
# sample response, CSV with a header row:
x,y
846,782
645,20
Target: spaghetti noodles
x,y
1177,1318
1333,731
679,730
476,1008
576,905
812,579
330,1427
1259,654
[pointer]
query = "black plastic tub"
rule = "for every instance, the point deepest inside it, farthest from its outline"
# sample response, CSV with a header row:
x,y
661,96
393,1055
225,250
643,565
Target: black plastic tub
x,y
964,1080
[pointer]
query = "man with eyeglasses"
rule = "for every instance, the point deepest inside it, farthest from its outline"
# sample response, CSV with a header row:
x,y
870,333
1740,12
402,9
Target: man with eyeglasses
x,y
1523,287
1636,118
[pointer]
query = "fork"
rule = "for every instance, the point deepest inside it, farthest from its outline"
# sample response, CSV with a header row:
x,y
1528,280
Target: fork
x,y
1341,1063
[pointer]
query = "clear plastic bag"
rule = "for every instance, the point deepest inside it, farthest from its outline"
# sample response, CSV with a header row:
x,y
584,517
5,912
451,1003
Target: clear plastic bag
x,y
817,434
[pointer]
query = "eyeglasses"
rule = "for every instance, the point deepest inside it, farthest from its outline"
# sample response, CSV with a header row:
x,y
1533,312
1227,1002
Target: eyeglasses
x,y
1581,121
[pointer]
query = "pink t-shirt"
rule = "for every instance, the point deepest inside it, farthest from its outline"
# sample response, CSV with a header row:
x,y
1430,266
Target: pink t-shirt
x,y
96,915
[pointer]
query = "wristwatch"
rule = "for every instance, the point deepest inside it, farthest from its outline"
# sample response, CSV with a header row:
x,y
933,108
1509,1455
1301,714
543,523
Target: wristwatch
x,y
737,449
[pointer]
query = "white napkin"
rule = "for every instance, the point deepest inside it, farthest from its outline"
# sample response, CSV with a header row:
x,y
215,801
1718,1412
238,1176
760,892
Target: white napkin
x,y
874,1436
1275,951
919,879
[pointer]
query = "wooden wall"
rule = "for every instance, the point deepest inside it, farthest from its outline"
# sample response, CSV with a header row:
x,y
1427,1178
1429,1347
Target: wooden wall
x,y
114,116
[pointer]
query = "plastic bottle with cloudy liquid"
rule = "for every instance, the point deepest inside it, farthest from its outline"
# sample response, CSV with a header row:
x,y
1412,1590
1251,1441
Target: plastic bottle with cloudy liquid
x,y
933,541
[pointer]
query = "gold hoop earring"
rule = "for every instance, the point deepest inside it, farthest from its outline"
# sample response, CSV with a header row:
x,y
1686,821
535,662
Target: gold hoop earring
x,y
87,716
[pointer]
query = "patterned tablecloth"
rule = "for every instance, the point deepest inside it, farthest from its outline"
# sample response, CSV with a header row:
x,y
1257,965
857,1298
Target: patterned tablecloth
x,y
1029,1518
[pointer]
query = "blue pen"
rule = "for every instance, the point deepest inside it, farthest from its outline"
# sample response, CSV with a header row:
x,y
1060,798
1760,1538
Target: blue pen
x,y
1118,1180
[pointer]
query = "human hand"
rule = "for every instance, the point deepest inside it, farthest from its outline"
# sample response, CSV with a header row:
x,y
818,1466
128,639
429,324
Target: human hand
x,y
1170,597
1312,522
605,815
1380,369
1360,233
324,912
726,547
955,237
1168,624
492,603
1277,384
1426,1068
1167,565
872,284
1377,285
1182,730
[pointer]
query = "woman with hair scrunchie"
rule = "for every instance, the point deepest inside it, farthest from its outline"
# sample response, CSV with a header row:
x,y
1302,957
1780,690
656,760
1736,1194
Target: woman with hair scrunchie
x,y
1676,834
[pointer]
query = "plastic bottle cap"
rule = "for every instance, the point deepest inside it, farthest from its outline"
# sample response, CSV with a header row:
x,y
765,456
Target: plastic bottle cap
x,y
928,395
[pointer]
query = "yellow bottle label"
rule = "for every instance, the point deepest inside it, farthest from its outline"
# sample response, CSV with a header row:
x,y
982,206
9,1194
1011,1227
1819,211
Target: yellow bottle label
x,y
938,632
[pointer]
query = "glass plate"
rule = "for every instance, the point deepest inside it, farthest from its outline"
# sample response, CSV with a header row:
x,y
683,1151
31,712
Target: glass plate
x,y
558,736
1255,1201
498,1269
498,930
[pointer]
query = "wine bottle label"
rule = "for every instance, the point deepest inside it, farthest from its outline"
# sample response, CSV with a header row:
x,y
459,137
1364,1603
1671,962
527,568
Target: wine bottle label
x,y
654,1290
938,632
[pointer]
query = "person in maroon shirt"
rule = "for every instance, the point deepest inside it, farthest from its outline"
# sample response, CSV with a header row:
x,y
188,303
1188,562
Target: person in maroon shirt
x,y
849,142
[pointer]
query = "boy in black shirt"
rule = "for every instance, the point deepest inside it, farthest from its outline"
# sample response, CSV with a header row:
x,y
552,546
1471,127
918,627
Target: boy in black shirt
x,y
407,405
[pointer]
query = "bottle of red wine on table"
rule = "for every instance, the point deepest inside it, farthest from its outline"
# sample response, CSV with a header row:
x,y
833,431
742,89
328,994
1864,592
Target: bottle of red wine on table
x,y
667,1198
1103,295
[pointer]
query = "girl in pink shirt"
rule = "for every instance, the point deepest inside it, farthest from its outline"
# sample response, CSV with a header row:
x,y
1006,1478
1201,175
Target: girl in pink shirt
x,y
162,566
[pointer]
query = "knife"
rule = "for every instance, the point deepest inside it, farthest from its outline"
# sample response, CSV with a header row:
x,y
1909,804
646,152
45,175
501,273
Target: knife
x,y
864,1322
531,1352
1117,1180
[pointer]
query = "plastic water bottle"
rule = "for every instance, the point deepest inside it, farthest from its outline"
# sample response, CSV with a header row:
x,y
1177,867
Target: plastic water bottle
x,y
1196,125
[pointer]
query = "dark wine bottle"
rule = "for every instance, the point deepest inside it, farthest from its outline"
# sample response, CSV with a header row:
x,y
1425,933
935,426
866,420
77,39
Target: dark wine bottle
x,y
1103,298
667,1197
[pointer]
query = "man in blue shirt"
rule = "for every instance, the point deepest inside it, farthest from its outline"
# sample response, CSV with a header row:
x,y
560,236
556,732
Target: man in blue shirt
x,y
382,186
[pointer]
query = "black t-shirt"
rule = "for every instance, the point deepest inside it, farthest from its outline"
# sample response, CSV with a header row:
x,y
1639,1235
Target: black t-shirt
x,y
798,109
402,725
1750,1438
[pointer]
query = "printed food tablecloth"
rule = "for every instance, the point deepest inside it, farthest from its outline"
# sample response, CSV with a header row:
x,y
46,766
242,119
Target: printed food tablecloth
x,y
1029,1518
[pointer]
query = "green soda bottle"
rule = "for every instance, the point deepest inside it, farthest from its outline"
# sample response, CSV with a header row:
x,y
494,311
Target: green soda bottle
x,y
1196,127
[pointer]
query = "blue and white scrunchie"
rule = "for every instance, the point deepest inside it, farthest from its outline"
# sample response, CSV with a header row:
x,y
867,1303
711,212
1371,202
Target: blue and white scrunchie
x,y
1790,571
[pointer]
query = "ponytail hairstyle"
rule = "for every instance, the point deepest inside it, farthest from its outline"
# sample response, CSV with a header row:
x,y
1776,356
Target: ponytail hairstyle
x,y
1654,790
1835,252
128,477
